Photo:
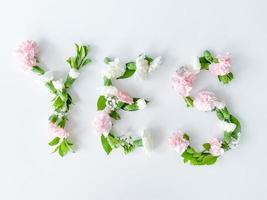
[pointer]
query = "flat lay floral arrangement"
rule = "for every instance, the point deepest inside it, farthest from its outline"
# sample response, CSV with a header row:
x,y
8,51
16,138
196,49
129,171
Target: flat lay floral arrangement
x,y
112,101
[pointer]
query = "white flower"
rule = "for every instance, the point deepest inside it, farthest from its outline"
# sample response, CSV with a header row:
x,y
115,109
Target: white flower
x,y
115,69
147,140
47,76
111,102
74,73
195,66
155,64
142,67
58,84
229,127
141,103
220,105
108,91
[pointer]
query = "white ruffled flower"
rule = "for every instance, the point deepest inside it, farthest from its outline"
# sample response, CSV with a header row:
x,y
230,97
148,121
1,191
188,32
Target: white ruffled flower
x,y
115,69
142,67
220,105
108,91
141,103
155,64
196,65
58,84
147,140
74,73
47,76
229,127
111,103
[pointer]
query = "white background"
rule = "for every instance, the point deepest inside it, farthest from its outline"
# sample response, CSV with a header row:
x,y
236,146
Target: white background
x,y
177,30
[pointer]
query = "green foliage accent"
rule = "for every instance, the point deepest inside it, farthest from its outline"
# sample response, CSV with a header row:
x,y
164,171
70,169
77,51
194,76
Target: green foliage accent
x,y
128,73
107,81
101,103
149,59
38,70
237,130
131,65
198,158
227,78
206,146
113,114
80,59
54,142
186,136
204,63
131,107
189,101
107,60
106,144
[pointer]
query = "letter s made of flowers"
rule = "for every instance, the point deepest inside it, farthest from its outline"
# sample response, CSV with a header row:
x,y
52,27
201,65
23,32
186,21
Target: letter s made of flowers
x,y
112,100
206,101
28,53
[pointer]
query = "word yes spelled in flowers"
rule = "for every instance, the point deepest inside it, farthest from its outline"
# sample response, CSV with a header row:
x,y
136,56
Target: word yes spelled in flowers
x,y
28,53
112,100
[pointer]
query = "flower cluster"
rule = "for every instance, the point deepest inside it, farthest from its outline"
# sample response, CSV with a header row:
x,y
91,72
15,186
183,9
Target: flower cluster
x,y
182,82
218,65
141,67
28,53
112,100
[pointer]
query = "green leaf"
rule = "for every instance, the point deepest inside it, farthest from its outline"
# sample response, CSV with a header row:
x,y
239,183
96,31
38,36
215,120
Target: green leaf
x,y
190,150
53,118
219,114
131,107
86,61
204,63
186,136
107,60
209,160
238,126
63,149
138,143
227,137
106,144
206,146
101,103
128,73
208,56
38,70
149,59
58,103
54,142
189,101
113,114
225,79
107,81
131,65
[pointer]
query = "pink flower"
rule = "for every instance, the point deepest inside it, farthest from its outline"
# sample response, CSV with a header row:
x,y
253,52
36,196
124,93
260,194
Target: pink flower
x,y
124,97
182,81
215,147
178,142
223,67
28,51
58,132
103,123
205,101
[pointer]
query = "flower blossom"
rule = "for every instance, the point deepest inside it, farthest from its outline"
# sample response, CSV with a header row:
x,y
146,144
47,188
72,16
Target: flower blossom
x,y
182,81
222,67
178,142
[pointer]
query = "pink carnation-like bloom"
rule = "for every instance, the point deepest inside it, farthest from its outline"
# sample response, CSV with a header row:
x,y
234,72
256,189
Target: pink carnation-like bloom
x,y
215,147
124,97
182,81
103,123
178,142
59,132
205,101
28,52
223,67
